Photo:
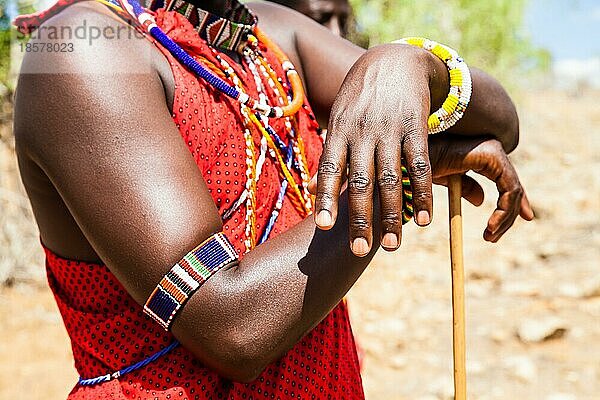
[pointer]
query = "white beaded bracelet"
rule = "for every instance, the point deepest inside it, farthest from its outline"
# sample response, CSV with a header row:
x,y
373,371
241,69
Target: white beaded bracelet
x,y
461,86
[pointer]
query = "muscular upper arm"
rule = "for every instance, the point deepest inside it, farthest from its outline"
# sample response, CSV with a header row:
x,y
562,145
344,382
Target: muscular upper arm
x,y
100,129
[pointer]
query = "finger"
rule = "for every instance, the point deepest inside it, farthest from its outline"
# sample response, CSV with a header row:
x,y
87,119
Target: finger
x,y
389,182
471,190
500,170
360,199
330,173
504,216
507,206
507,221
526,211
416,153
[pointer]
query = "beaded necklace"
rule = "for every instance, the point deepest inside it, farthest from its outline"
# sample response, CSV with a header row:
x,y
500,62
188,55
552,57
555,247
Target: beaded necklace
x,y
145,21
227,32
270,140
245,37
255,112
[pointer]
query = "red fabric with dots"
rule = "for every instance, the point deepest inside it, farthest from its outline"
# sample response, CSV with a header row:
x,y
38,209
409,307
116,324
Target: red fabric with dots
x,y
107,328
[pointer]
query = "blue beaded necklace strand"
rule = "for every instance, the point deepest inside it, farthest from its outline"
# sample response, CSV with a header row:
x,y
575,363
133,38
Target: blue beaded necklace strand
x,y
126,370
147,23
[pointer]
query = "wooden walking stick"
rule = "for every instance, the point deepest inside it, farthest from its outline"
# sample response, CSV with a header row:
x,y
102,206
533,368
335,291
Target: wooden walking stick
x,y
458,287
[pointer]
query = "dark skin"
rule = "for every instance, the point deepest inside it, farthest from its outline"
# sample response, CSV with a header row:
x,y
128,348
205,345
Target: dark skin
x,y
333,14
111,181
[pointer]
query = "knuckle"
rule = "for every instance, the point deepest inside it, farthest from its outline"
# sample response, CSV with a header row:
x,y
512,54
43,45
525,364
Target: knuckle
x,y
324,198
337,120
360,223
369,121
329,168
385,120
410,123
391,218
420,168
517,193
422,196
360,182
389,179
495,146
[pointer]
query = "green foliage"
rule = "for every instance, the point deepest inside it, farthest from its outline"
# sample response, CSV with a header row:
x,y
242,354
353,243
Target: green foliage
x,y
487,33
7,36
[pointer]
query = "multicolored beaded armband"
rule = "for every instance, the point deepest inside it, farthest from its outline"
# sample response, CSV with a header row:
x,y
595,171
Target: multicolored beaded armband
x,y
461,87
187,276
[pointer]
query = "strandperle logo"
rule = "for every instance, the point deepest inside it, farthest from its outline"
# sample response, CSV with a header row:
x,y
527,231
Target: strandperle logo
x,y
83,32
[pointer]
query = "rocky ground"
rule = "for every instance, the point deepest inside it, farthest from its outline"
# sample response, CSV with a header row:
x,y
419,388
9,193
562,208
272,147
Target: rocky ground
x,y
533,300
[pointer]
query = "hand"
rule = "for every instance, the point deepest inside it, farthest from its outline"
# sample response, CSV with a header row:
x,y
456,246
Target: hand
x,y
379,116
452,155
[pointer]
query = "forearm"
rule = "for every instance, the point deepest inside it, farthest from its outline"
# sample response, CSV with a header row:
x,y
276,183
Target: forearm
x,y
248,316
491,112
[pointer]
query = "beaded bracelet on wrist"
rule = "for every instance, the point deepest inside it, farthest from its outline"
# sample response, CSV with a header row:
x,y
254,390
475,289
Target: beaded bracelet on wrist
x,y
461,87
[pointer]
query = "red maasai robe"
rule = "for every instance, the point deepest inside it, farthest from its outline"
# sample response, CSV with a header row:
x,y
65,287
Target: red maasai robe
x,y
108,329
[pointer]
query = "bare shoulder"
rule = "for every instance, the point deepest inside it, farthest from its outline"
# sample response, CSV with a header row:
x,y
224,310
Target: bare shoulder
x,y
82,51
279,22
268,10
284,26
84,38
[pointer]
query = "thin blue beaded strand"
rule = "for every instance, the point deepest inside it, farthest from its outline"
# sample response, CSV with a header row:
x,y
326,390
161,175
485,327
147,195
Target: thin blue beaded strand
x,y
131,368
183,57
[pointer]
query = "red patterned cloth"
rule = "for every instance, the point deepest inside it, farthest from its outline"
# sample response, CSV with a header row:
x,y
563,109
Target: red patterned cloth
x,y
107,328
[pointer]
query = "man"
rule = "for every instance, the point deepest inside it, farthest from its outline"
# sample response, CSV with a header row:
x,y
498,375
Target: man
x,y
130,161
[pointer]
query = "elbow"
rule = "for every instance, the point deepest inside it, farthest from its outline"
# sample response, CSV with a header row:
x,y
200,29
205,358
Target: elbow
x,y
241,360
508,132
242,373
512,140
228,337
511,126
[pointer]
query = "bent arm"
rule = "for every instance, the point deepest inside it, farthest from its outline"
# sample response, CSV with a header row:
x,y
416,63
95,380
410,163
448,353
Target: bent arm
x,y
112,151
327,58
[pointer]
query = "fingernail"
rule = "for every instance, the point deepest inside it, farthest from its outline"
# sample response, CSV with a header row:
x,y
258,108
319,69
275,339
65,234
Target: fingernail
x,y
360,247
390,240
531,214
423,218
323,218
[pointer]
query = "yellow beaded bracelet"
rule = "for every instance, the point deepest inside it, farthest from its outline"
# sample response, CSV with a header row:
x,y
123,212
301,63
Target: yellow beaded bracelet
x,y
461,86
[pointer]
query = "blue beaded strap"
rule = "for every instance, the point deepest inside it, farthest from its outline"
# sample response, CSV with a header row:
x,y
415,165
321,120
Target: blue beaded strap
x,y
181,55
126,370
146,22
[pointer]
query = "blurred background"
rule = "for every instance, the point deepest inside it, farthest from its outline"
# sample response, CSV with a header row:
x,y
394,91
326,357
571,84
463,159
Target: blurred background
x,y
533,300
